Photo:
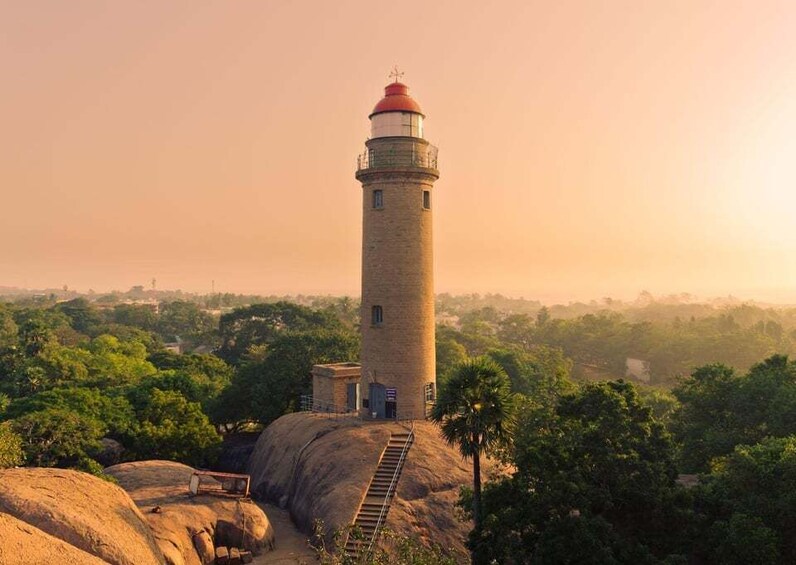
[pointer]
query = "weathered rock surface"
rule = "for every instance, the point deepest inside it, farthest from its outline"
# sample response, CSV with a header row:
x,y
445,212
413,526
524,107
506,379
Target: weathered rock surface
x,y
187,526
317,467
320,468
23,544
88,515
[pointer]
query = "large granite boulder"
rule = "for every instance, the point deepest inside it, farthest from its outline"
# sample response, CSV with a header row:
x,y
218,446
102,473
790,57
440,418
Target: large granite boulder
x,y
88,515
23,544
187,527
320,467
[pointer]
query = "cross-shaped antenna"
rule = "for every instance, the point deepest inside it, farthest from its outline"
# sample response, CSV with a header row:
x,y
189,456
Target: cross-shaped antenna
x,y
396,73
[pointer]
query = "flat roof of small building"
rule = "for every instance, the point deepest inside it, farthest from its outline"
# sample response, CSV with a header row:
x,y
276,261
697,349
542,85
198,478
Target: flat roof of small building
x,y
344,369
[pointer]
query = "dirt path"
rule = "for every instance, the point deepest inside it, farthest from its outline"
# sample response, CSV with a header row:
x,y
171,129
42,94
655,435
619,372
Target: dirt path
x,y
291,544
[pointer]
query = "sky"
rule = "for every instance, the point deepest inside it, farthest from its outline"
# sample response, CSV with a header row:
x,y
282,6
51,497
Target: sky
x,y
586,149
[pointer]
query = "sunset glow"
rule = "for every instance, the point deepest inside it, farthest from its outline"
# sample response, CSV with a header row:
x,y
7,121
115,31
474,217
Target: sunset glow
x,y
587,149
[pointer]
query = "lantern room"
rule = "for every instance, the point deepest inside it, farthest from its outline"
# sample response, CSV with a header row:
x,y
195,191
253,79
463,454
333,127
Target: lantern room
x,y
397,114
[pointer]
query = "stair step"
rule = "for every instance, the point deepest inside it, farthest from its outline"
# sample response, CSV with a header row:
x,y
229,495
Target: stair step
x,y
380,493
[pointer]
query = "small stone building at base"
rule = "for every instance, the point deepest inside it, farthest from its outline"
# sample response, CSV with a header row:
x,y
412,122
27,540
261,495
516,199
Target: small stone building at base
x,y
335,387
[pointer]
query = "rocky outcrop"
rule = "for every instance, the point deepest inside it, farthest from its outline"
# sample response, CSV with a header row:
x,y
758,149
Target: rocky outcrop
x,y
320,468
23,544
187,527
88,515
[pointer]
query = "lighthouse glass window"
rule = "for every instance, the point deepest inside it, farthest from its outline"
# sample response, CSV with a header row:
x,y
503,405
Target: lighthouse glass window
x,y
376,316
397,124
378,199
411,125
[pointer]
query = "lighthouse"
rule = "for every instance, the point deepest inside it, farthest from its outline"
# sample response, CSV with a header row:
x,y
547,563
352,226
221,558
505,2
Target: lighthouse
x,y
397,171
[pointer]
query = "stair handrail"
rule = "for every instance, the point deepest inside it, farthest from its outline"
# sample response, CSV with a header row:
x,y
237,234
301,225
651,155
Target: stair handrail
x,y
385,504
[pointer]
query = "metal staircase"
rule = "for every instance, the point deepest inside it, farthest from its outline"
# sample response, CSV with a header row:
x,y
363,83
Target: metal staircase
x,y
374,508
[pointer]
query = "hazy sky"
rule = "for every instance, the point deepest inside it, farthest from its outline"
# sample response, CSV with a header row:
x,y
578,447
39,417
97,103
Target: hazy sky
x,y
587,148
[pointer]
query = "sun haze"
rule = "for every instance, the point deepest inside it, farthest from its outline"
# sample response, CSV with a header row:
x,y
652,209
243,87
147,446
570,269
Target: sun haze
x,y
586,148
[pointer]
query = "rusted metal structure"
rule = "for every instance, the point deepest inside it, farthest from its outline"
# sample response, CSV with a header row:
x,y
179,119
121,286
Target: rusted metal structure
x,y
219,484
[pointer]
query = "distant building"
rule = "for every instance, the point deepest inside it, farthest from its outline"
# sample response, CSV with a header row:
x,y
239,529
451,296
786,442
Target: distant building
x,y
637,369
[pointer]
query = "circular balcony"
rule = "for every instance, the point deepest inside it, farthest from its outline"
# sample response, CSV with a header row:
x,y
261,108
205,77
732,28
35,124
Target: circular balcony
x,y
417,155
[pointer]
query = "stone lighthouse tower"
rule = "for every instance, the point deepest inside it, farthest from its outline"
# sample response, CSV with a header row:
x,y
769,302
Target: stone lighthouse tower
x,y
397,172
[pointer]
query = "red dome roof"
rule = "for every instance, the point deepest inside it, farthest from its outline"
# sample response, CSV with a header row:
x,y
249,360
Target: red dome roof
x,y
396,99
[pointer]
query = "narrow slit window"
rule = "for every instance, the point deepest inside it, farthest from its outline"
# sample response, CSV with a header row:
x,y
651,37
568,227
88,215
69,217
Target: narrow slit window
x,y
378,199
427,199
376,315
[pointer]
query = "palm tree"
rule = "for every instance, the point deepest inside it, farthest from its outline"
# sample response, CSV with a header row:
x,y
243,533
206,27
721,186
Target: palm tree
x,y
475,411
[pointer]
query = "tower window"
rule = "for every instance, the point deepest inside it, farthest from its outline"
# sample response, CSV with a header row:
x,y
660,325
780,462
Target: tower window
x,y
427,199
376,315
378,199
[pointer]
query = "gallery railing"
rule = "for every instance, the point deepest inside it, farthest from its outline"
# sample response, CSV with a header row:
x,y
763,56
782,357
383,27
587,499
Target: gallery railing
x,y
308,404
419,155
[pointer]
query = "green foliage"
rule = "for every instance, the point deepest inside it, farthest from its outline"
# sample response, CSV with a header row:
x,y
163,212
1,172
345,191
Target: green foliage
x,y
129,334
140,316
90,466
199,378
11,454
262,324
538,372
57,437
114,362
594,483
62,391
662,403
721,409
740,541
599,337
750,495
184,320
37,330
449,354
104,361
9,331
83,316
271,385
475,410
170,427
113,412
391,549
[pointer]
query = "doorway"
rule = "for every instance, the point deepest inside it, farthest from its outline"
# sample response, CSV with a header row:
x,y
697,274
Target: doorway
x,y
377,400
